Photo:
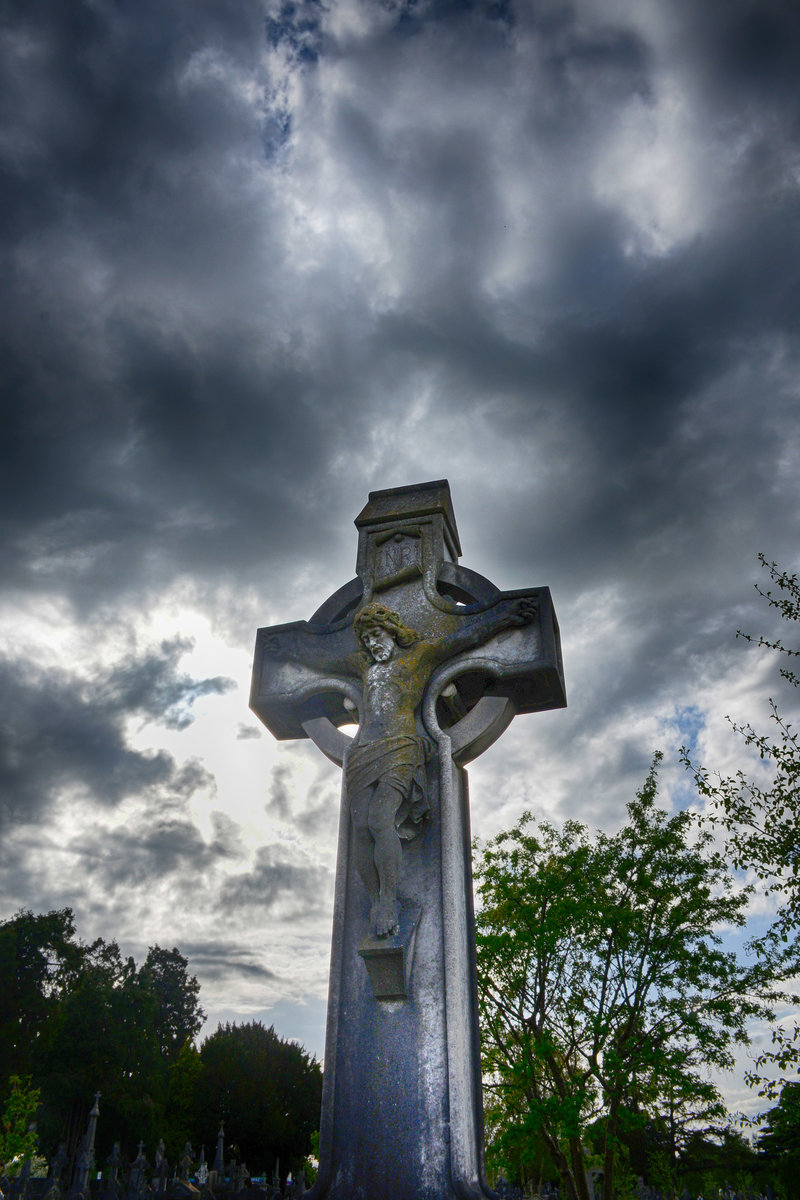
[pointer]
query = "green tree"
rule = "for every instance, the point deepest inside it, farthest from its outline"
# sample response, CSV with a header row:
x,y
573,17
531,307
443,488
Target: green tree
x,y
78,1018
40,960
183,1097
710,1162
780,1140
603,985
103,1036
515,1149
761,819
178,1014
268,1092
17,1122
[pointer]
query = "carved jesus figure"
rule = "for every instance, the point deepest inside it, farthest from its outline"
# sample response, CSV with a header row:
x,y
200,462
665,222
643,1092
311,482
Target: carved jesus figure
x,y
385,775
385,781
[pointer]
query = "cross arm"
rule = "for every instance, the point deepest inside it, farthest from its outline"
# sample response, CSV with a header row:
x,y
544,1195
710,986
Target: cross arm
x,y
303,671
512,649
511,610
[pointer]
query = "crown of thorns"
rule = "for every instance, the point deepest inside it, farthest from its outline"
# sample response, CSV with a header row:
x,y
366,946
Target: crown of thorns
x,y
378,615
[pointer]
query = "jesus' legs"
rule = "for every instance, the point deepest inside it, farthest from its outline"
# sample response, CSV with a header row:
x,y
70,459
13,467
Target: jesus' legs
x,y
363,842
388,856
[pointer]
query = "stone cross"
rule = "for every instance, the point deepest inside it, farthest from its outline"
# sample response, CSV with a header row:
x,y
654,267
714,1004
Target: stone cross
x,y
219,1158
85,1161
432,662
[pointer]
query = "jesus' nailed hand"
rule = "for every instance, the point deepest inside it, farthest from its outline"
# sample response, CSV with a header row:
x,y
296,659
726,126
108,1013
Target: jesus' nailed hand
x,y
385,766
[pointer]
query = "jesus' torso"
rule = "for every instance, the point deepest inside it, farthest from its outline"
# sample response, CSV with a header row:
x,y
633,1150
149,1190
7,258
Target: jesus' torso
x,y
393,693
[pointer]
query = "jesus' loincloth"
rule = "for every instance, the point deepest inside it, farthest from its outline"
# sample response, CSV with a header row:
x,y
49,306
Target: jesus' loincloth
x,y
399,761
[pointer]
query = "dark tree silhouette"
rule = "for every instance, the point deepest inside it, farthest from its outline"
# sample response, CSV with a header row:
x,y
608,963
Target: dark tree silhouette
x,y
268,1091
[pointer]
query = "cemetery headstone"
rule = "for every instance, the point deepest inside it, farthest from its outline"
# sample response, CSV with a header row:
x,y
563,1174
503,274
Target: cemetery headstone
x,y
84,1164
219,1157
137,1182
111,1188
56,1172
160,1177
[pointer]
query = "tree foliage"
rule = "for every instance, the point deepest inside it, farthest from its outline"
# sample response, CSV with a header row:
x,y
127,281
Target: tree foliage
x,y
761,820
76,1018
178,1015
780,1140
103,1037
80,1017
17,1122
40,960
268,1092
183,1100
604,986
714,1164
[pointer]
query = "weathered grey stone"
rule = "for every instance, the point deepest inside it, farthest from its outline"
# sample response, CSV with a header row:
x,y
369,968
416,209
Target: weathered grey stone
x,y
137,1181
219,1158
435,661
54,1178
160,1177
84,1164
111,1188
389,959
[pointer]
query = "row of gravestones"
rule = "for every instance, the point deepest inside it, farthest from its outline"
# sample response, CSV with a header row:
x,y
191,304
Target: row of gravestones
x,y
191,1179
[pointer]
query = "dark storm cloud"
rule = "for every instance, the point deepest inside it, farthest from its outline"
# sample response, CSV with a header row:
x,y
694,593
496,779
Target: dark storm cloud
x,y
174,404
748,53
275,879
134,441
221,961
65,732
157,847
152,687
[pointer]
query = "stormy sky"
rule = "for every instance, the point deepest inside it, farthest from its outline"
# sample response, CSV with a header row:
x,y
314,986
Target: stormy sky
x,y
260,259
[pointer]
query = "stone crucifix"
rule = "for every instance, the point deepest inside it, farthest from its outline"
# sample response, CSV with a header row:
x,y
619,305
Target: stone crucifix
x,y
432,662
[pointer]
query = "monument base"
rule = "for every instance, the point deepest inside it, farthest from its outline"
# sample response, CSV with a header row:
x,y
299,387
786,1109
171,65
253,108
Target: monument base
x,y
389,960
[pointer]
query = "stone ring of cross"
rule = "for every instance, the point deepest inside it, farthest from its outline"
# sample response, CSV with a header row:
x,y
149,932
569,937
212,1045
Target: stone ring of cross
x,y
484,721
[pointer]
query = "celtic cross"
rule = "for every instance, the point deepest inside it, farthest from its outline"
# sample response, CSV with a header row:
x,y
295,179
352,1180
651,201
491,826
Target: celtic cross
x,y
432,662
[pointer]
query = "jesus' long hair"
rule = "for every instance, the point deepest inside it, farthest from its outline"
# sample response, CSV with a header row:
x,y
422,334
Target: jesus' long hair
x,y
378,614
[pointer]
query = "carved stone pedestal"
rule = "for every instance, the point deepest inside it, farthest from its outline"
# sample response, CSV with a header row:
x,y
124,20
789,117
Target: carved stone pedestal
x,y
389,960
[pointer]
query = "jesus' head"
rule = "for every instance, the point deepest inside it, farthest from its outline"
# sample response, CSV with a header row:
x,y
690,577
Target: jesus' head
x,y
379,630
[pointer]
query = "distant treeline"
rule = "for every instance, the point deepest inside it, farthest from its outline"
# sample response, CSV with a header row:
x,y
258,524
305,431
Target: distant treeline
x,y
78,1018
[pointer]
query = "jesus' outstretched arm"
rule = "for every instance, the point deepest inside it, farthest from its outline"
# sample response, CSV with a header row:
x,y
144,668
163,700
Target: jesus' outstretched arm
x,y
476,629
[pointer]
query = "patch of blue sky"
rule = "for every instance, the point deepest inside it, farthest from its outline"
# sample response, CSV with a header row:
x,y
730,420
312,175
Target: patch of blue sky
x,y
298,28
689,721
277,130
683,729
